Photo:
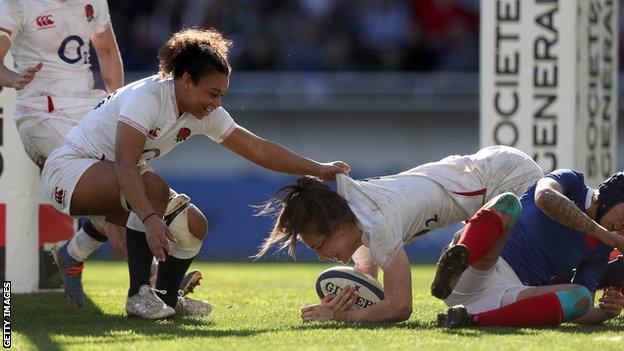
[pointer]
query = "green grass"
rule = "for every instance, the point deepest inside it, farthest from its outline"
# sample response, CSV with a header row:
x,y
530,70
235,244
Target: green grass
x,y
257,308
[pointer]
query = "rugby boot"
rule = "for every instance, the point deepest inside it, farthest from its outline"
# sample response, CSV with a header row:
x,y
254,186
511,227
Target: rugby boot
x,y
456,317
71,273
187,307
146,304
451,264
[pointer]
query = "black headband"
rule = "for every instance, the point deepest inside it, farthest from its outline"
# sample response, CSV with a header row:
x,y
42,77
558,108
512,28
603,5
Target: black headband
x,y
610,193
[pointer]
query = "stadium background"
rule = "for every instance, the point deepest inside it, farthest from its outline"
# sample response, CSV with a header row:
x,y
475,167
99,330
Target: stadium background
x,y
382,84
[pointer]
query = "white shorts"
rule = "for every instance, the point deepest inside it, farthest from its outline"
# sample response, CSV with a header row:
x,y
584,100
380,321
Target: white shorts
x,y
506,169
42,132
482,291
61,174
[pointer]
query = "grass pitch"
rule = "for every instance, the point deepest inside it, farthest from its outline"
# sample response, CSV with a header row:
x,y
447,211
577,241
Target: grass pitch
x,y
257,308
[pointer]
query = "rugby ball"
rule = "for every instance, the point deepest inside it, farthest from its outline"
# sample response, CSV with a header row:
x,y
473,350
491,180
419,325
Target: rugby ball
x,y
334,279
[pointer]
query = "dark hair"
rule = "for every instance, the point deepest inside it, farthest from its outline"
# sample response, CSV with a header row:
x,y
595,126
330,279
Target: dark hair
x,y
197,52
610,193
308,206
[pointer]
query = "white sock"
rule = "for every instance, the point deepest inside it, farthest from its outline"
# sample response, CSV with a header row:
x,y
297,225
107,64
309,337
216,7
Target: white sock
x,y
82,246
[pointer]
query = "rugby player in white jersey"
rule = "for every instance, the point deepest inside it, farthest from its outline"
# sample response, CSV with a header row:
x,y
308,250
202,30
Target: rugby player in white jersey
x,y
388,212
96,173
49,41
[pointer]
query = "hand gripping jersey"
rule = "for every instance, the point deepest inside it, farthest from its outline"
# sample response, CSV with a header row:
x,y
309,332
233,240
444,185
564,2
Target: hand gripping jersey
x,y
148,105
56,33
395,210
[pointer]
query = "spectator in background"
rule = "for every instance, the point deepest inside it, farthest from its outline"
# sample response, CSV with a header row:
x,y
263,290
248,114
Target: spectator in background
x,y
312,35
450,32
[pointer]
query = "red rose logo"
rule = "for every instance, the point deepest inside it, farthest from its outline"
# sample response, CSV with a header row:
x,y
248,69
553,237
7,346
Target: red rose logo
x,y
183,134
153,133
89,12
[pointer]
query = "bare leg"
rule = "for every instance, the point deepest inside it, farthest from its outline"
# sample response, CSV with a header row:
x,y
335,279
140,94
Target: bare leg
x,y
98,193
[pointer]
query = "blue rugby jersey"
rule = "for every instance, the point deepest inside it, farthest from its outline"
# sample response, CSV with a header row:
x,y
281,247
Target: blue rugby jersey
x,y
540,250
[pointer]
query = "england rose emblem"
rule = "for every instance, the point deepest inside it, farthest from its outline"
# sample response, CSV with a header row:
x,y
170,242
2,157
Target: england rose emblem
x,y
183,134
89,12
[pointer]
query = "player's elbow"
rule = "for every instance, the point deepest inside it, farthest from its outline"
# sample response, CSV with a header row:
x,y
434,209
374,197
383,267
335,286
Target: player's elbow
x,y
541,197
401,313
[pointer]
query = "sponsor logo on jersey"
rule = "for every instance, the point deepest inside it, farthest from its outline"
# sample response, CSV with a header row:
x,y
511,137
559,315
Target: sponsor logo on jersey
x,y
89,12
44,21
153,133
59,195
183,134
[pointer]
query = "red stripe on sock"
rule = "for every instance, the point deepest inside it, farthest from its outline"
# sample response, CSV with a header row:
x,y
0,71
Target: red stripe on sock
x,y
539,311
480,233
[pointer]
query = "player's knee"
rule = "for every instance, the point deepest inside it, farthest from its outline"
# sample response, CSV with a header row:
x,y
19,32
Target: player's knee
x,y
187,224
575,302
508,204
197,223
157,189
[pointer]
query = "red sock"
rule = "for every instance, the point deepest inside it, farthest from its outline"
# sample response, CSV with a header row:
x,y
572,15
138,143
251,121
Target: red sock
x,y
480,233
539,311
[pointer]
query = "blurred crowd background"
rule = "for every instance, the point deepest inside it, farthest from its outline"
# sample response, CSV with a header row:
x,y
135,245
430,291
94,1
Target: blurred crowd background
x,y
311,35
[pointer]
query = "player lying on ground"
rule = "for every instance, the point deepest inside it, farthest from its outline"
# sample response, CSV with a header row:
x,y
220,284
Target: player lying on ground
x,y
96,173
386,213
55,89
501,272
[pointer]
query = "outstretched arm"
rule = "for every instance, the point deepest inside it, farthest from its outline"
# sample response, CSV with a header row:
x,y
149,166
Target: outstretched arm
x,y
277,158
550,199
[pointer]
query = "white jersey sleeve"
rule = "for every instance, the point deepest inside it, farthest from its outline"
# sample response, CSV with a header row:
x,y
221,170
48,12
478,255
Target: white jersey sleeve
x,y
102,17
387,239
382,225
11,16
218,125
140,111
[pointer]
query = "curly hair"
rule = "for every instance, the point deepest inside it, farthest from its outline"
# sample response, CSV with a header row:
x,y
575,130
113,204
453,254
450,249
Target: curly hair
x,y
308,206
197,52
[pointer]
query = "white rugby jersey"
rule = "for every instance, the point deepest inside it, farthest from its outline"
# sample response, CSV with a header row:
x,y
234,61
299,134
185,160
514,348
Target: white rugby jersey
x,y
148,105
395,210
56,33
